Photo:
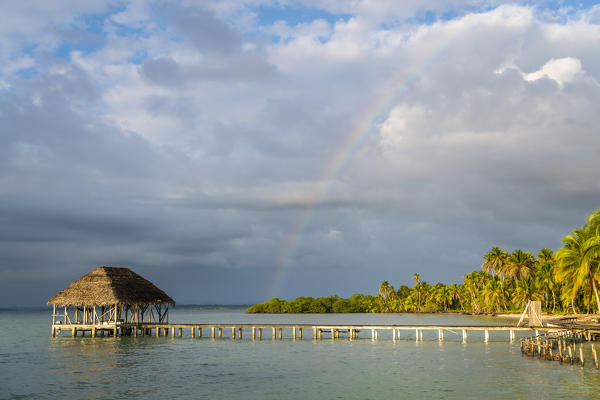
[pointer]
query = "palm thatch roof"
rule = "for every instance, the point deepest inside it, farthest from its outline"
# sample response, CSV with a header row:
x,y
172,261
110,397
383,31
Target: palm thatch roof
x,y
108,286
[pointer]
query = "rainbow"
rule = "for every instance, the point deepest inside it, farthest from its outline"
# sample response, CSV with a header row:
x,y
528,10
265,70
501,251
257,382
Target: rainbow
x,y
373,115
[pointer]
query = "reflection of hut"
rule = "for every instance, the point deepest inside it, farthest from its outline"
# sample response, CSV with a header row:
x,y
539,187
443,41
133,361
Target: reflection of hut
x,y
109,298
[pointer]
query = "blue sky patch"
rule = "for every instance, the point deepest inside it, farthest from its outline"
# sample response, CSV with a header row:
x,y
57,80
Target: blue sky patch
x,y
294,15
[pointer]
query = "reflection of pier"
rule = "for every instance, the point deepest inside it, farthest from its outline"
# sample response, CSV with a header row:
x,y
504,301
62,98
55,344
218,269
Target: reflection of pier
x,y
294,331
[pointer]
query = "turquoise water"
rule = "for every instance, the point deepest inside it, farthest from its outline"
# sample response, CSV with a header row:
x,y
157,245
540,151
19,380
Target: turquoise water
x,y
33,365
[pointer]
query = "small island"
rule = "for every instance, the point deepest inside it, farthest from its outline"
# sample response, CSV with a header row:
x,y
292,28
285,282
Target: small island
x,y
565,281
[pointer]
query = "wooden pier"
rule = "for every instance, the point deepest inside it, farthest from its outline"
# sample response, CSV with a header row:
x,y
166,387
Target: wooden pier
x,y
293,331
561,346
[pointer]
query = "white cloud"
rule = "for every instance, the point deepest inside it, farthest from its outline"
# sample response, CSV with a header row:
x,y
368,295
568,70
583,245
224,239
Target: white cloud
x,y
562,70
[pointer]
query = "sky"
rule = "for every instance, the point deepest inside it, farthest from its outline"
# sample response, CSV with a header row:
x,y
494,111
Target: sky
x,y
232,151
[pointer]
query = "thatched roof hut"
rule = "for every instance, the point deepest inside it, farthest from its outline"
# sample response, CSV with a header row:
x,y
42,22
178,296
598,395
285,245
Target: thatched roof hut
x,y
107,286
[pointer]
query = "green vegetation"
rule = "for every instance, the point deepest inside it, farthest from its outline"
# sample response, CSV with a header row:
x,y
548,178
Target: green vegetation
x,y
565,281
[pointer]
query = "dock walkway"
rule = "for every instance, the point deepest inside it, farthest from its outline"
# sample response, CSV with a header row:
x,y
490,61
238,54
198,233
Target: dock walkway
x,y
293,331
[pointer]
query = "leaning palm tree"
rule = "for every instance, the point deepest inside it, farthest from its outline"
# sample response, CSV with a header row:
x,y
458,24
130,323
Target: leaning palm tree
x,y
578,261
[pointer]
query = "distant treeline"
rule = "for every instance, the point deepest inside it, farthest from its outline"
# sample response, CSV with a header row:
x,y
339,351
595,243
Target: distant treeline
x,y
565,281
357,303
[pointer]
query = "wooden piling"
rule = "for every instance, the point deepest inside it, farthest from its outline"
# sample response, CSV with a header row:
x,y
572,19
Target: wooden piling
x,y
220,333
571,355
199,332
259,333
581,360
274,333
193,332
213,333
233,333
595,356
487,335
280,333
300,333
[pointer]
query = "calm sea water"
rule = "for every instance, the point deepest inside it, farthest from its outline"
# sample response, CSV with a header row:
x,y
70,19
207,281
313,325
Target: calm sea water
x,y
33,365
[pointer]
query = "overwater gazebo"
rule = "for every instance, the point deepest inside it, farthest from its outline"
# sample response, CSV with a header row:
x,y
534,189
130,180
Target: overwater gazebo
x,y
109,299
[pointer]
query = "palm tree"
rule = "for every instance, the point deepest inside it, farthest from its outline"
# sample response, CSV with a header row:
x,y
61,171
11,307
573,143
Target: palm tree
x,y
385,289
526,291
544,275
443,295
455,294
593,221
519,264
494,260
471,284
417,278
493,294
578,260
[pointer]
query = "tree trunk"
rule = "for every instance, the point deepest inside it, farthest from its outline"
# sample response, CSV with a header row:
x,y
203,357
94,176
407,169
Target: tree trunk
x,y
553,301
596,293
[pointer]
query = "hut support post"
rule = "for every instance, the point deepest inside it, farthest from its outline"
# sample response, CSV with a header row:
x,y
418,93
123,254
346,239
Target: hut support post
x,y
464,335
487,335
440,335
